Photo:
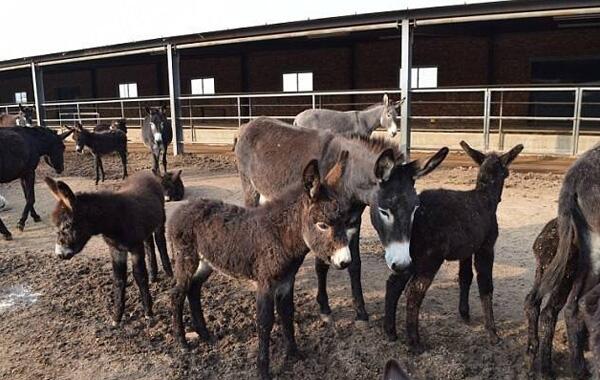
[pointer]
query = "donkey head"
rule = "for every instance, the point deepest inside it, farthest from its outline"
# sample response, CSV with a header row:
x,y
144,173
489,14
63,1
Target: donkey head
x,y
493,168
74,230
157,121
172,185
53,148
25,116
80,136
389,115
325,219
396,202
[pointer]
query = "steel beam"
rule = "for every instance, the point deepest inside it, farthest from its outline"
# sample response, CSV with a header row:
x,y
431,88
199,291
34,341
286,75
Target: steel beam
x,y
37,80
405,86
174,98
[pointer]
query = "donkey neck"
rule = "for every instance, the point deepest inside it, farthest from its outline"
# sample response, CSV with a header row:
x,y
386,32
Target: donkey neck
x,y
370,118
491,191
101,211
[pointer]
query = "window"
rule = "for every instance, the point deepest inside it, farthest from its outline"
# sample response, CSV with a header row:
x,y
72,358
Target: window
x,y
203,86
296,82
128,90
424,77
21,97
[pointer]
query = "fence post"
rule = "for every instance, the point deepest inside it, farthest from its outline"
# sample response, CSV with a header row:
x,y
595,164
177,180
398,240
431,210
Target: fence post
x,y
37,79
576,121
405,85
122,110
486,118
79,114
313,101
500,133
239,111
174,98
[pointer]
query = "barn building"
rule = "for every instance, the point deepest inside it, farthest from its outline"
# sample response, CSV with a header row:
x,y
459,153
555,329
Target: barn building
x,y
494,74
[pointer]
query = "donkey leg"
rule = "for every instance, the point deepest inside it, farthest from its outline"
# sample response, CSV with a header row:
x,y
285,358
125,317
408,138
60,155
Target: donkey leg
x,y
532,312
140,274
484,264
4,231
265,317
549,316
321,267
101,167
354,270
32,212
27,183
155,156
119,267
591,312
465,278
161,243
576,330
417,288
164,160
394,287
284,302
194,298
123,155
151,257
177,302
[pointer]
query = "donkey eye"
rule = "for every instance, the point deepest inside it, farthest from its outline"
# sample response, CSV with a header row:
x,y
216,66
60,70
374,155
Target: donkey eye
x,y
384,212
322,226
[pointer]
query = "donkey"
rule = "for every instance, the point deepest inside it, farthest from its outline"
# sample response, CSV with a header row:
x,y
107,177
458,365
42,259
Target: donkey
x,y
270,155
120,124
173,186
362,123
265,245
451,225
591,315
127,219
544,249
101,143
157,135
22,119
19,157
579,222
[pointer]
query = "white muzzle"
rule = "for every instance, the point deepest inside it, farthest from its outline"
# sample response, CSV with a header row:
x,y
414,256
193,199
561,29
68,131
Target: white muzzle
x,y
397,255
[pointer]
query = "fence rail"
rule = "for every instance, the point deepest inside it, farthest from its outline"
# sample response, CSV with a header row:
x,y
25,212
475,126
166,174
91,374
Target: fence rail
x,y
485,113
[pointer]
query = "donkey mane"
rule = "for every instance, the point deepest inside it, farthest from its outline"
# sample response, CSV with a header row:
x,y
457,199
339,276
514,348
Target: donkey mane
x,y
377,144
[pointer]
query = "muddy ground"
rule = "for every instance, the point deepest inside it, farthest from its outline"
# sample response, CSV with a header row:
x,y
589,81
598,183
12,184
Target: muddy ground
x,y
54,320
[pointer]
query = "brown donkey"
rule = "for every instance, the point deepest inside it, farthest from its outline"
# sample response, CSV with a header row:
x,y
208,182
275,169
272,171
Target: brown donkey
x,y
127,219
265,245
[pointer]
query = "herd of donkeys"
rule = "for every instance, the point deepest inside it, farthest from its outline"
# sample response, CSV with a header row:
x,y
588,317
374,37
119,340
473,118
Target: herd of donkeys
x,y
305,188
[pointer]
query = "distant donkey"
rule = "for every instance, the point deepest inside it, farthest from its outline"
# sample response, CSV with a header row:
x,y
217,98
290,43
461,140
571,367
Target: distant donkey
x,y
361,123
20,153
451,225
579,224
127,219
101,143
544,249
265,245
120,124
157,135
24,118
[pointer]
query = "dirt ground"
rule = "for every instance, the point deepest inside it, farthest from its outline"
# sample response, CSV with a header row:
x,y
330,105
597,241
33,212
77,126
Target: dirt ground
x,y
54,320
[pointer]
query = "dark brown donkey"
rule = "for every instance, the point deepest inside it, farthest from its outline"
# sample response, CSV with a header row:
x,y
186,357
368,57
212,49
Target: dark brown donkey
x,y
101,143
544,249
271,155
591,315
265,245
452,225
126,219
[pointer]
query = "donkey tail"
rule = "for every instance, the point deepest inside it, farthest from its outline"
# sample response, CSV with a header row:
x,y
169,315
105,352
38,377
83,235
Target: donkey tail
x,y
571,226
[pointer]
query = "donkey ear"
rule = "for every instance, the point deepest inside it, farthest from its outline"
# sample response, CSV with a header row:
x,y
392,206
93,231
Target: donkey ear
x,y
509,156
66,134
176,176
386,100
432,163
476,155
393,371
61,192
148,110
312,179
163,109
399,103
384,165
337,171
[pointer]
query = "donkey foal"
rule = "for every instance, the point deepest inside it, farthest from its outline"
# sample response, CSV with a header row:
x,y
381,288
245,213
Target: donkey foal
x,y
265,245
126,219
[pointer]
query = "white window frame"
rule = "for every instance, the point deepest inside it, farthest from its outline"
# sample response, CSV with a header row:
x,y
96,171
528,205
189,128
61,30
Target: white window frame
x,y
416,77
128,90
21,97
296,81
203,86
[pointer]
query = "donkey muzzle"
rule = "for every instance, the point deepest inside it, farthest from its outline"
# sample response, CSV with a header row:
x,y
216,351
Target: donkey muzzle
x,y
397,255
63,252
341,258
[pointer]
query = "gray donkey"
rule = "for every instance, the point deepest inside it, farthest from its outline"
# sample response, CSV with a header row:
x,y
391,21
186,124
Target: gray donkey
x,y
579,224
157,135
361,123
271,155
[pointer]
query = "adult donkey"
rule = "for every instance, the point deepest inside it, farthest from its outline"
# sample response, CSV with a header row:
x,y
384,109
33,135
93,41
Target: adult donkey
x,y
271,156
361,123
578,224
157,135
20,156
22,119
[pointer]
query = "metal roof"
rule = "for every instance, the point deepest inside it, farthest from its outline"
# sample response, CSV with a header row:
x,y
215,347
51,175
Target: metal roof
x,y
434,15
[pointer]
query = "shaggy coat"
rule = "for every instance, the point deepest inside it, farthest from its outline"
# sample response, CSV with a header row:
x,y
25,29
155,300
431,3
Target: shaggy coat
x,y
127,219
544,249
591,315
173,186
20,152
453,226
100,144
579,222
271,156
265,245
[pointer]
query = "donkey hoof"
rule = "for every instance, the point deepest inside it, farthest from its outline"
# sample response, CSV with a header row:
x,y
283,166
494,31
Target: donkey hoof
x,y
8,237
115,324
391,335
294,355
494,339
20,226
416,348
326,318
37,218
